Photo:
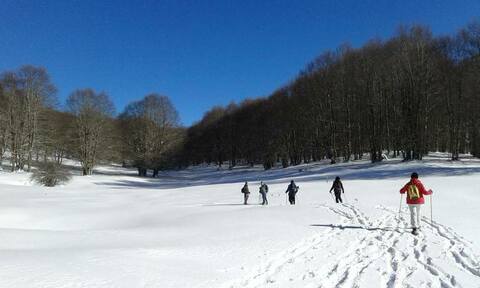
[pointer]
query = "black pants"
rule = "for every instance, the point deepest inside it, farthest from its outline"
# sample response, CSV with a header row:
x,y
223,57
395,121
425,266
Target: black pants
x,y
245,198
338,197
291,198
264,199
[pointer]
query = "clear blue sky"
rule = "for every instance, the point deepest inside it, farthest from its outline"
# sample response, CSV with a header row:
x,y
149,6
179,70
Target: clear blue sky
x,y
199,53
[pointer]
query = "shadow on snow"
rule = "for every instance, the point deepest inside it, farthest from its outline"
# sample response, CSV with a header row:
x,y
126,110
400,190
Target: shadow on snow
x,y
354,227
356,170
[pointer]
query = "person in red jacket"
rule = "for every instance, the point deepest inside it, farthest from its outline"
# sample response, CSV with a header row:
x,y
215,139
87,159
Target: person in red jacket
x,y
415,191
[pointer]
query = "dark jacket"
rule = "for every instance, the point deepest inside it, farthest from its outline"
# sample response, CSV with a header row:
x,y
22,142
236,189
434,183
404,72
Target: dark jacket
x,y
245,190
337,187
292,189
264,189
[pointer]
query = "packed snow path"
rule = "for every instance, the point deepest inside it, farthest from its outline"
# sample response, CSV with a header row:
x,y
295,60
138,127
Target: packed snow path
x,y
381,251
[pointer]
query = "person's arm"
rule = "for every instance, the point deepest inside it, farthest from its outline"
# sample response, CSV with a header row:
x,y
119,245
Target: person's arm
x,y
404,189
423,190
341,186
332,187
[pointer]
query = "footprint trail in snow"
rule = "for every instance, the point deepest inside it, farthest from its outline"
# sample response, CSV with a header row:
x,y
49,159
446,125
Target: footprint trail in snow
x,y
377,251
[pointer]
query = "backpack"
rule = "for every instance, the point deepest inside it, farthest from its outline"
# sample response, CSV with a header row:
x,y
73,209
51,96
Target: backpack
x,y
294,189
412,192
261,190
336,187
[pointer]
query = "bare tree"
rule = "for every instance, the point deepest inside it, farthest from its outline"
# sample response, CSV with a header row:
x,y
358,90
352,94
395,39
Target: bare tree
x,y
39,93
25,93
149,131
3,123
92,113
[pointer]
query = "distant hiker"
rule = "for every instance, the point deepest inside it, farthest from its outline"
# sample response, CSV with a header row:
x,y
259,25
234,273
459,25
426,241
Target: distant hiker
x,y
337,188
415,191
292,191
263,191
246,193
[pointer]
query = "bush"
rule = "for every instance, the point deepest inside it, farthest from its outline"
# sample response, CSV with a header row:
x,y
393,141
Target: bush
x,y
50,174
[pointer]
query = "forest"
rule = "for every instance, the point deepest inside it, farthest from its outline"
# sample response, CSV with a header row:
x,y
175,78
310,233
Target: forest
x,y
403,97
400,97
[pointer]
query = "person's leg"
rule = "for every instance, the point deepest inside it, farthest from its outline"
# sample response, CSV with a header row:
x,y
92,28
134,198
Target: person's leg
x,y
418,215
412,215
246,198
340,197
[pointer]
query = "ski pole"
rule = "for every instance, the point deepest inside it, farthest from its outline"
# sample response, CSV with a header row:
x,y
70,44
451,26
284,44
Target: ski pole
x,y
400,208
431,209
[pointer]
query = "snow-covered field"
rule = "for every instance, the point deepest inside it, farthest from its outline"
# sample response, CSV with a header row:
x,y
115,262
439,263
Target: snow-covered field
x,y
189,229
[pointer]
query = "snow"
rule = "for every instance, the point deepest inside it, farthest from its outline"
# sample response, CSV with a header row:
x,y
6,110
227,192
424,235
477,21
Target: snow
x,y
189,229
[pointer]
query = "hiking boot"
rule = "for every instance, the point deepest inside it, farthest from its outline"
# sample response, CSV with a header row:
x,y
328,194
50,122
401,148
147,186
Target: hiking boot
x,y
415,231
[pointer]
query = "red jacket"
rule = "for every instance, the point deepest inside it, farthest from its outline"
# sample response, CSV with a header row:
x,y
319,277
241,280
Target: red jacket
x,y
421,189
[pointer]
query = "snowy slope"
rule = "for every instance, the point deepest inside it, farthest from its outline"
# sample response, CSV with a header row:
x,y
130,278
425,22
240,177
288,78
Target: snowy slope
x,y
189,229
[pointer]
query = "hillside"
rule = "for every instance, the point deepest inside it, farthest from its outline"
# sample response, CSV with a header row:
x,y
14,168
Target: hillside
x,y
189,228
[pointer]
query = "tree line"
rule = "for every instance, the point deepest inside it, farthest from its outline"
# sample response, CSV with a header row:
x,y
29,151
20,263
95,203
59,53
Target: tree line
x,y
402,97
34,131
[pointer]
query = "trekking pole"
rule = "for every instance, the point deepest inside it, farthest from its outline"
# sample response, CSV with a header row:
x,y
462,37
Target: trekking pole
x,y
400,208
431,209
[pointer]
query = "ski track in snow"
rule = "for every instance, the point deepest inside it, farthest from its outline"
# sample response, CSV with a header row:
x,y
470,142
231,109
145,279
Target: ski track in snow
x,y
383,250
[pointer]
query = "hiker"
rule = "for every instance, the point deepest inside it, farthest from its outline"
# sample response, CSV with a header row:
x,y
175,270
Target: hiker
x,y
292,190
246,193
415,191
337,188
263,191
